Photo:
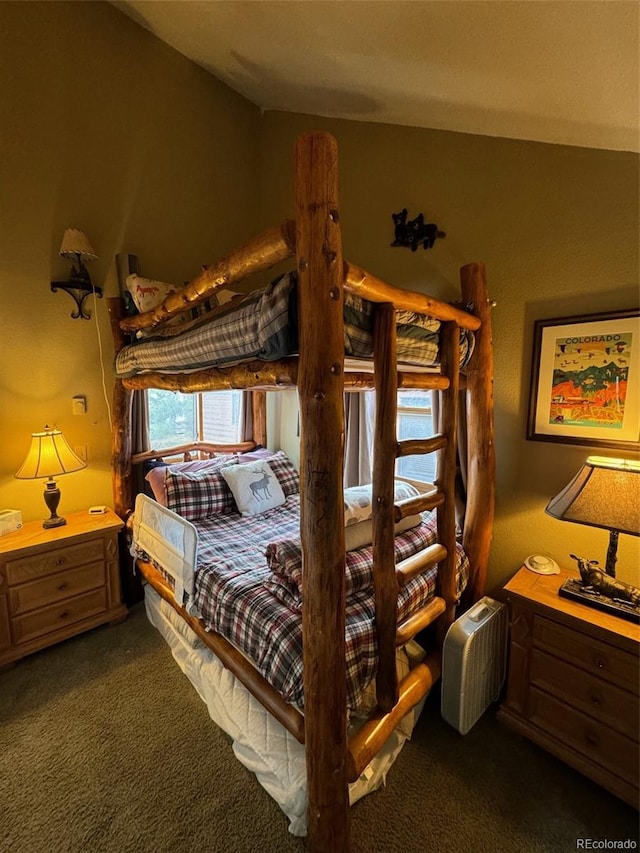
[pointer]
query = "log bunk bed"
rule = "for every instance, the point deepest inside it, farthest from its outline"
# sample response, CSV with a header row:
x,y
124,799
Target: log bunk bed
x,y
333,760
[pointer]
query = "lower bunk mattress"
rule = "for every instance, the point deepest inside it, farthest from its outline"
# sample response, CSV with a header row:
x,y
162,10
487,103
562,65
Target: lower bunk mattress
x,y
248,588
257,606
263,326
259,741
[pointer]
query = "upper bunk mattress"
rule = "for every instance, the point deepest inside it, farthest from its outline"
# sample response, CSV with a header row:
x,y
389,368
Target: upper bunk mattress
x,y
263,326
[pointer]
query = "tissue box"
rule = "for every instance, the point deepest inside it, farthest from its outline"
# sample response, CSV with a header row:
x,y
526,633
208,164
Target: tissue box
x,y
10,520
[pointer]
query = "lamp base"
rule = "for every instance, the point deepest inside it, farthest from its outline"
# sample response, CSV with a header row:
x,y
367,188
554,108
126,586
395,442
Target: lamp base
x,y
52,499
56,521
577,591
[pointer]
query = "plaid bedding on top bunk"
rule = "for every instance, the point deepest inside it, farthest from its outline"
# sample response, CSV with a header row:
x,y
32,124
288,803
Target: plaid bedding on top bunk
x,y
264,326
240,598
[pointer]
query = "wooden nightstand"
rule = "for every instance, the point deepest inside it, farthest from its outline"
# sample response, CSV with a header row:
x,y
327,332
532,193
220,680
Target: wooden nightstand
x,y
56,583
573,682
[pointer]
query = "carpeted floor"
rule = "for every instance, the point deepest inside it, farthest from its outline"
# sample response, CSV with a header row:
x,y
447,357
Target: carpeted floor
x,y
95,730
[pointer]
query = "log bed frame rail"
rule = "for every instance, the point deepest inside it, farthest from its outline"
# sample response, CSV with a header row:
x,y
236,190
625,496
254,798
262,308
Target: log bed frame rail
x,y
315,240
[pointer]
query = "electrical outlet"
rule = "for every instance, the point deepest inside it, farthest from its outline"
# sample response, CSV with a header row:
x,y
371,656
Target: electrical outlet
x,y
81,451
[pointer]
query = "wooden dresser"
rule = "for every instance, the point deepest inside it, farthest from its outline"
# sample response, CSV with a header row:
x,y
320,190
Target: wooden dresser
x,y
56,583
573,682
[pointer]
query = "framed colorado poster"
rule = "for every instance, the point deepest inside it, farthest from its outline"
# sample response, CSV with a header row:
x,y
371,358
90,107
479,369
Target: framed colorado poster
x,y
585,380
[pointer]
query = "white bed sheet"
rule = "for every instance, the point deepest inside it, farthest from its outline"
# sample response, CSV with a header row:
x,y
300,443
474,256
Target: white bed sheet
x,y
260,742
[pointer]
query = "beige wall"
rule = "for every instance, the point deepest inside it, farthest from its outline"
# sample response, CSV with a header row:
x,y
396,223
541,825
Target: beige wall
x,y
557,228
106,129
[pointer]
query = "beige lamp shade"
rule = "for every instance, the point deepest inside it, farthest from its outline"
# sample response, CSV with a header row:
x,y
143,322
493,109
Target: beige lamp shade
x,y
76,243
49,455
604,493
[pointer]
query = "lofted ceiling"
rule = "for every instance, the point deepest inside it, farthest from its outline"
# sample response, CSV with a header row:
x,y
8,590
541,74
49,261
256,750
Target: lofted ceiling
x,y
559,71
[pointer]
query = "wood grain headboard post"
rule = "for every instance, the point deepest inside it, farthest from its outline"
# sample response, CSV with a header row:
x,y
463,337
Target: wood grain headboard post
x,y
320,390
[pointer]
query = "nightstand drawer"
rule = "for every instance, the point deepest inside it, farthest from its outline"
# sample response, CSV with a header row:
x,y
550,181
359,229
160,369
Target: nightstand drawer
x,y
5,633
604,702
596,657
55,588
594,740
49,619
55,560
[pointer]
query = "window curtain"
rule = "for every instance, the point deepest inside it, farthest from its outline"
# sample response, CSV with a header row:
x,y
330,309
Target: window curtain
x,y
461,473
358,420
253,413
140,440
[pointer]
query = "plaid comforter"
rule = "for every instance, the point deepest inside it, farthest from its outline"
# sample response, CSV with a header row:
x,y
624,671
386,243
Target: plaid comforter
x,y
264,326
235,595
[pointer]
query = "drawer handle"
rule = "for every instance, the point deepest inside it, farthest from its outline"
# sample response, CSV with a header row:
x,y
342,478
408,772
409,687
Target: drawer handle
x,y
591,738
62,587
64,614
61,561
600,663
596,698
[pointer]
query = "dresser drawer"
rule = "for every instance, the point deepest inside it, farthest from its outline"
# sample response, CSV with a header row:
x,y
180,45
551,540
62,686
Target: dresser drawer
x,y
596,741
604,702
55,560
601,659
48,619
5,634
55,588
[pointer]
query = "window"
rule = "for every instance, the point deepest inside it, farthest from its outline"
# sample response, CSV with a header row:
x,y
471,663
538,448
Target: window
x,y
415,420
176,419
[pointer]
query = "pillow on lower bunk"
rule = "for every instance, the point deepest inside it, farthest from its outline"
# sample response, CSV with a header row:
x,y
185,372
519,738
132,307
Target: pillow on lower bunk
x,y
182,493
254,486
358,503
361,534
284,470
198,494
156,475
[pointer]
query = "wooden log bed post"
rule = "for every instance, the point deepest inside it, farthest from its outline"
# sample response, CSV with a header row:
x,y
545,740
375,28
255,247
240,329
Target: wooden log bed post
x,y
384,463
481,454
320,390
449,361
121,428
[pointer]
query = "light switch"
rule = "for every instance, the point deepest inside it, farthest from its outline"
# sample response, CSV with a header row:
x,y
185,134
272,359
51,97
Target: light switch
x,y
79,405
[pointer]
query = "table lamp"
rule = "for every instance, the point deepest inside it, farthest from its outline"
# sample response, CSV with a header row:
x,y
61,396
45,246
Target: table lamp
x,y
49,456
604,493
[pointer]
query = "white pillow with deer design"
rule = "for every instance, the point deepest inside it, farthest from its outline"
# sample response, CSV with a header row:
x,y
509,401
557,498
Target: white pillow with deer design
x,y
254,486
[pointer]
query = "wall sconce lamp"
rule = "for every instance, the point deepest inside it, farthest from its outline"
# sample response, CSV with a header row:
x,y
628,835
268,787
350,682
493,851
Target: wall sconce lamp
x,y
77,248
49,456
604,493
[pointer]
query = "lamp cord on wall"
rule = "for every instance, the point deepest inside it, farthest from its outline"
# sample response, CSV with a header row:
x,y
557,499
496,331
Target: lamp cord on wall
x,y
104,383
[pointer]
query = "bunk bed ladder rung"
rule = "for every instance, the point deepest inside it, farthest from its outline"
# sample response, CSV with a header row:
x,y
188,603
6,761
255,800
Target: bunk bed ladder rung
x,y
371,736
420,503
419,620
413,446
418,563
